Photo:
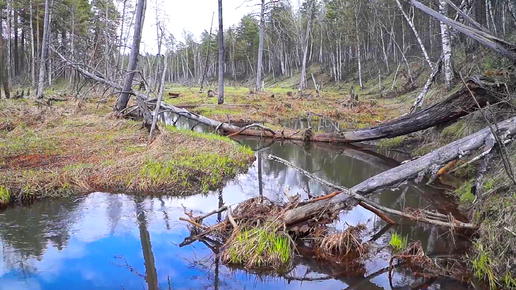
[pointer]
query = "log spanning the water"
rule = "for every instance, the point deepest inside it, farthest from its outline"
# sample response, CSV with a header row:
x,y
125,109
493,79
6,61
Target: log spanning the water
x,y
395,176
455,106
307,211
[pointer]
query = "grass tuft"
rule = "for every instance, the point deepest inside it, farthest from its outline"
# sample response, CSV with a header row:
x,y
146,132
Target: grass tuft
x,y
464,192
392,142
5,196
398,242
260,247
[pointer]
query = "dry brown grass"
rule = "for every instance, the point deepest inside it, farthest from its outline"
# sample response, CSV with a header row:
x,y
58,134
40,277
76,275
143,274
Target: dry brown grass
x,y
58,150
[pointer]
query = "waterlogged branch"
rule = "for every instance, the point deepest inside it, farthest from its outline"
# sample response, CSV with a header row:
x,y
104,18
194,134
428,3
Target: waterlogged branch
x,y
404,172
339,202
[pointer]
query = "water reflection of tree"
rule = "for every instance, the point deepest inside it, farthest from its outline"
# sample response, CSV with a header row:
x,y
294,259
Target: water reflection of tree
x,y
151,275
27,232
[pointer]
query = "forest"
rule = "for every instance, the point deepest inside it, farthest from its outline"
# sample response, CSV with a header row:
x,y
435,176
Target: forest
x,y
352,144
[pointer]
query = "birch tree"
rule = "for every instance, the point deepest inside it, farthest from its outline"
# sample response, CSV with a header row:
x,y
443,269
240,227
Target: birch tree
x,y
413,27
221,56
446,47
259,66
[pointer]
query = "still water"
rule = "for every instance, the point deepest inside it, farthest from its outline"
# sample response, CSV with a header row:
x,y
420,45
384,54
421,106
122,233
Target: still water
x,y
117,241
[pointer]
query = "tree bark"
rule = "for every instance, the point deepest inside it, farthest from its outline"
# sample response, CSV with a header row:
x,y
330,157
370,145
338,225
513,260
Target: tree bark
x,y
446,47
3,66
395,176
207,60
418,103
302,81
160,96
259,66
221,56
44,50
133,60
413,27
15,48
499,45
32,48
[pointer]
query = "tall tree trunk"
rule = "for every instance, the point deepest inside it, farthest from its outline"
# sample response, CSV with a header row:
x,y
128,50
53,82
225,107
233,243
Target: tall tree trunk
x,y
358,50
207,60
8,62
302,81
133,60
44,50
15,49
119,46
22,49
411,24
32,49
151,275
221,56
259,66
3,66
446,47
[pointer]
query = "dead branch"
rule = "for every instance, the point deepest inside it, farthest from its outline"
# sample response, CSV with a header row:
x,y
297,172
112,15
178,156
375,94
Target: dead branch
x,y
338,202
403,172
252,126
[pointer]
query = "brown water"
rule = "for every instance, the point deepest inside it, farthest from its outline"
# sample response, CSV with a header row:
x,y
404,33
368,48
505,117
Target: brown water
x,y
117,241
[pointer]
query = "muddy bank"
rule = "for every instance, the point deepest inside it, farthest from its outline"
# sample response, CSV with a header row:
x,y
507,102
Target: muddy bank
x,y
48,152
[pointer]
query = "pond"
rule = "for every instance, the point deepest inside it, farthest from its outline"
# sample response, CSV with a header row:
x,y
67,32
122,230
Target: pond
x,y
117,241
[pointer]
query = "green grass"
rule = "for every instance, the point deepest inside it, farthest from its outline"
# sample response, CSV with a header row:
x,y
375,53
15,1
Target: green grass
x,y
483,267
5,196
260,247
398,242
46,156
464,192
392,142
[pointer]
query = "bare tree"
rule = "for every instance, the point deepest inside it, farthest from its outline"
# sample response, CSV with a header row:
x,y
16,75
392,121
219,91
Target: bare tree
x,y
413,27
221,56
133,59
259,66
302,81
206,62
44,49
446,47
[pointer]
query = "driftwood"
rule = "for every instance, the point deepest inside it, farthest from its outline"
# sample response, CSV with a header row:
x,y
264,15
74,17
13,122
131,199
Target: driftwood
x,y
434,160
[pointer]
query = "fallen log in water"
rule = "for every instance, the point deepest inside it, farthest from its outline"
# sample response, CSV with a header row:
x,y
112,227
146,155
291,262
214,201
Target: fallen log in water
x,y
430,163
455,106
313,208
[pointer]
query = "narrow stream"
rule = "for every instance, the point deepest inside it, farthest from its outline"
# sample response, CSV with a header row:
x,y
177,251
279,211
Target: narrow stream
x,y
117,241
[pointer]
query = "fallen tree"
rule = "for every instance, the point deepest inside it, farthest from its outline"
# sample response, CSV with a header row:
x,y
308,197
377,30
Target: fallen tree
x,y
455,106
305,212
430,163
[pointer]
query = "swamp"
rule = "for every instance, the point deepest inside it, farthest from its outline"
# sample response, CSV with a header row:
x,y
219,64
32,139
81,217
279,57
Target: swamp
x,y
229,144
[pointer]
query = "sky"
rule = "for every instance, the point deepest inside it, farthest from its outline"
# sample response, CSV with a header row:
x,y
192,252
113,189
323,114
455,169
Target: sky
x,y
191,15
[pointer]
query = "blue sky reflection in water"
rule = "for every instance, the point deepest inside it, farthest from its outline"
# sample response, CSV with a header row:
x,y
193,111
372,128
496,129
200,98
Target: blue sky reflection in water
x,y
114,241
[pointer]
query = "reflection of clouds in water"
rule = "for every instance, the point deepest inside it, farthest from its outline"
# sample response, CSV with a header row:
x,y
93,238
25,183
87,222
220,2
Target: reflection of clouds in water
x,y
15,284
105,226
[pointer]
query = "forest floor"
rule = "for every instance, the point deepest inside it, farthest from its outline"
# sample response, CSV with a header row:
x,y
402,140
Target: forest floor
x,y
70,148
